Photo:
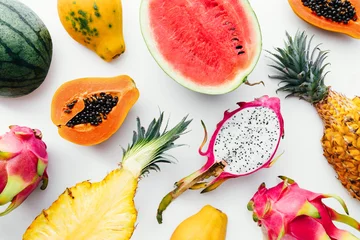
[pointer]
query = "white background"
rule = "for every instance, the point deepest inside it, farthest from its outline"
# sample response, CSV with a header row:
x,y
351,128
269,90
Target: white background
x,y
69,163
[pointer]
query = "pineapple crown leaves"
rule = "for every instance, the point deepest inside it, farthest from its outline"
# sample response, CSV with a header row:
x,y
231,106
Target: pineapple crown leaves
x,y
301,68
148,147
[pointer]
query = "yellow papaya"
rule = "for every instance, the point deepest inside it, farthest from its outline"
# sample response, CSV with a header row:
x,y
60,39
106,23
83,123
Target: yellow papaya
x,y
95,24
207,224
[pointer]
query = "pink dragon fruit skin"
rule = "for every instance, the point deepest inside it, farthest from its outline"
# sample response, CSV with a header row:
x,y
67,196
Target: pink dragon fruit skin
x,y
265,112
289,212
23,164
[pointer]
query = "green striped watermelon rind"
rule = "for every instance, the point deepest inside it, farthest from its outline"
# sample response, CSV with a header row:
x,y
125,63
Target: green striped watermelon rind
x,y
25,49
177,76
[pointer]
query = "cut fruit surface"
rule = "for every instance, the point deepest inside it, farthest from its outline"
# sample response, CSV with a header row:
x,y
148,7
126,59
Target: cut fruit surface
x,y
208,46
333,15
256,141
91,211
88,111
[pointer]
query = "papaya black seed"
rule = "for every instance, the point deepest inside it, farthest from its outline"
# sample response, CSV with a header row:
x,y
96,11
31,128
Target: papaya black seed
x,y
71,105
96,109
340,11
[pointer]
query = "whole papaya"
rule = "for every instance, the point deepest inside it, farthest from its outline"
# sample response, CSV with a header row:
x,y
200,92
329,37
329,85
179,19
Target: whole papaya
x,y
207,224
98,25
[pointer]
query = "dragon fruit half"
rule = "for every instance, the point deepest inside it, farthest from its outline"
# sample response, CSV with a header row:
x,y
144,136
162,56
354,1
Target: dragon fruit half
x,y
23,163
289,212
245,141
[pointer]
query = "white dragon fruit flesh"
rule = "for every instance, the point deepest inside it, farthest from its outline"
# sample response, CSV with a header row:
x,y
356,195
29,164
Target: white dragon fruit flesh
x,y
289,212
23,164
245,141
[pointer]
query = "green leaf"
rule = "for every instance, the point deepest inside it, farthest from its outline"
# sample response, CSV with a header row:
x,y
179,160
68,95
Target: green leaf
x,y
149,146
298,57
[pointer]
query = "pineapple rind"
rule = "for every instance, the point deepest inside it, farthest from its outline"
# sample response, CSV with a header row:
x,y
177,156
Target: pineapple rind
x,y
341,139
90,211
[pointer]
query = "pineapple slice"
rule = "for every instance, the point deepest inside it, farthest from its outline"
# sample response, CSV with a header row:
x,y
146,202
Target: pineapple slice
x,y
105,210
94,211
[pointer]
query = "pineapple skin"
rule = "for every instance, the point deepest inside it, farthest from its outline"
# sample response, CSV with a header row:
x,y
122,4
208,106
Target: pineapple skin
x,y
90,211
341,138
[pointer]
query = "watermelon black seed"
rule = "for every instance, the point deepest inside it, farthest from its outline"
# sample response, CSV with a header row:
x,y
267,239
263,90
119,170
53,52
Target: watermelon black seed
x,y
340,11
96,109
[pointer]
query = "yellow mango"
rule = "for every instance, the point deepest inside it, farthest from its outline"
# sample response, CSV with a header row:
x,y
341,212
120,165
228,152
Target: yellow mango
x,y
208,224
96,24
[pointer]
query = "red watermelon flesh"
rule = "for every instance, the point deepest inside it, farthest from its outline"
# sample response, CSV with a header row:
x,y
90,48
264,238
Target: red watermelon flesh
x,y
209,46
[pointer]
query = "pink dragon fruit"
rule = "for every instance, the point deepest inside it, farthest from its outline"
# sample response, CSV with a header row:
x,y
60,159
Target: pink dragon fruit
x,y
23,163
289,212
245,141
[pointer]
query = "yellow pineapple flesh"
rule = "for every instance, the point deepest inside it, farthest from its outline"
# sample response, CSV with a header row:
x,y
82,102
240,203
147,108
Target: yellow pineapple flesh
x,y
93,211
105,210
302,71
341,139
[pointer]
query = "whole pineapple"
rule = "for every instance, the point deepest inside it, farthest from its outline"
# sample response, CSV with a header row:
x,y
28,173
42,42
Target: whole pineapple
x,y
302,69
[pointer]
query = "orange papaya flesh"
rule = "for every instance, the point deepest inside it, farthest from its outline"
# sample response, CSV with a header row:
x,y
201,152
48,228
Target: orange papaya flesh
x,y
88,111
351,28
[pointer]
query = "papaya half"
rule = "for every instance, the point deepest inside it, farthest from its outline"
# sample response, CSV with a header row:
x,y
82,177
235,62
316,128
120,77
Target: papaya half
x,y
88,111
334,15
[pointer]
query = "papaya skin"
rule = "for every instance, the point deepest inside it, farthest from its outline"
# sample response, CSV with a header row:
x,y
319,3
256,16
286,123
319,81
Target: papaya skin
x,y
352,28
97,25
85,134
208,224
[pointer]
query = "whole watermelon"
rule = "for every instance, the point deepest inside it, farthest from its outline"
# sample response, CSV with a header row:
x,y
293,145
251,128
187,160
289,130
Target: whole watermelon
x,y
25,49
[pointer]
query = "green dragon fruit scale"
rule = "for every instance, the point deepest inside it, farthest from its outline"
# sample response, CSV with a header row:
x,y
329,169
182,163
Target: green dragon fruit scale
x,y
289,212
23,164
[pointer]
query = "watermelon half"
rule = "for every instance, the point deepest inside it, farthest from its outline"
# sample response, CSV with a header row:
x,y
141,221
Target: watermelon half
x,y
208,46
